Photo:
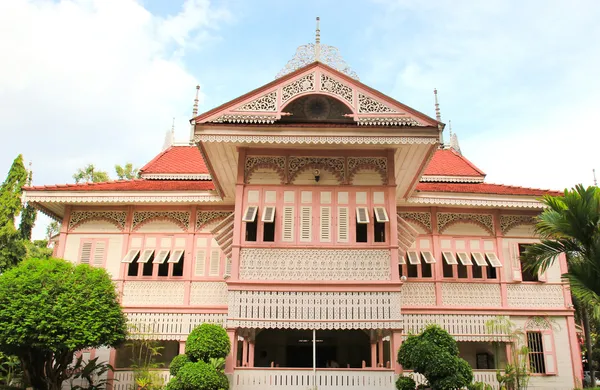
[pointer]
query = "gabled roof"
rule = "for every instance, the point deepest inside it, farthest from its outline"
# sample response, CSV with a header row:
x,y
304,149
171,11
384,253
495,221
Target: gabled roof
x,y
177,162
131,185
483,188
448,162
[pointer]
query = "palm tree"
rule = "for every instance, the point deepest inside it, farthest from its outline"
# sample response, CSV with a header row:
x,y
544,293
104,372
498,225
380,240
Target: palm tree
x,y
571,225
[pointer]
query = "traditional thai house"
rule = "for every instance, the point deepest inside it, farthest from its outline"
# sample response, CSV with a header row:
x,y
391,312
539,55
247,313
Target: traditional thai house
x,y
319,221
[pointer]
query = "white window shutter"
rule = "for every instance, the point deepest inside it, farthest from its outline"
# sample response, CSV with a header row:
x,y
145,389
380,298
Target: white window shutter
x,y
495,261
86,252
161,256
200,262
516,263
478,257
146,254
227,273
325,231
250,214
268,214
342,224
176,256
130,256
362,215
306,223
428,257
288,224
99,253
381,214
215,259
464,258
449,257
414,258
549,352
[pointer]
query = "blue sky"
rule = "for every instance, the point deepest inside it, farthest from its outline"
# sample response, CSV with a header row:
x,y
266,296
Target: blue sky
x,y
98,81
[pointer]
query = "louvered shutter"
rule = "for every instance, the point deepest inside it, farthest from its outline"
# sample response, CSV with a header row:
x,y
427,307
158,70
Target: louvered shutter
x,y
549,352
494,260
200,262
268,214
176,256
464,258
325,224
413,257
227,267
516,263
306,223
381,214
342,224
146,254
130,256
161,256
99,253
428,257
250,214
362,215
479,260
449,257
86,252
288,224
215,258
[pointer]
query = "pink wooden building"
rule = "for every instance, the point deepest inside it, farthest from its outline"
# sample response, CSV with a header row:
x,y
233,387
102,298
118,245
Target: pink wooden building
x,y
319,221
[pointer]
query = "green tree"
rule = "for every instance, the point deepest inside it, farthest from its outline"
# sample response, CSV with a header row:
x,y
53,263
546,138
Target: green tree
x,y
570,225
434,354
126,172
52,229
12,248
50,309
90,174
28,216
11,191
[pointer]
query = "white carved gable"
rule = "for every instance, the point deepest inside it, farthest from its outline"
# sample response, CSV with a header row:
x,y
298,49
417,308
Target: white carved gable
x,y
368,107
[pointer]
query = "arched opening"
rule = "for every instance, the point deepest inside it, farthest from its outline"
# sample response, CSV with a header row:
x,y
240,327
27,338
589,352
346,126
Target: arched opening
x,y
294,348
316,108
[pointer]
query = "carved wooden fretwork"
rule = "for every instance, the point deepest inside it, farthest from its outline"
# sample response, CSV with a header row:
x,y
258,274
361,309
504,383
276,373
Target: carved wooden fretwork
x,y
255,162
117,218
538,323
486,221
388,121
421,218
317,140
377,163
314,264
471,294
368,105
508,222
303,84
168,326
335,87
314,310
535,296
246,118
181,218
152,293
205,217
417,294
306,54
464,327
208,294
266,102
335,165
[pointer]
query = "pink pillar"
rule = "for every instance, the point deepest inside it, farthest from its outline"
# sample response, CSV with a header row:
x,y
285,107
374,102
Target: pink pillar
x,y
230,360
181,347
575,349
251,354
381,362
396,342
245,352
374,354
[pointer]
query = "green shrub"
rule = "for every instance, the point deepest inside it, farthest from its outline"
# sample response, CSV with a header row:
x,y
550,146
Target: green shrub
x,y
479,386
405,383
199,376
178,362
207,341
434,353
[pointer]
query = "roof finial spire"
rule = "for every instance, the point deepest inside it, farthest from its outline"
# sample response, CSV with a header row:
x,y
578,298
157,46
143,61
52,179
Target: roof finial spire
x,y
438,115
595,181
450,127
30,175
318,41
195,110
173,131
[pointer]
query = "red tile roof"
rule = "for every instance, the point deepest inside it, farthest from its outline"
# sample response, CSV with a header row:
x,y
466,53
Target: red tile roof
x,y
447,162
483,188
132,185
177,159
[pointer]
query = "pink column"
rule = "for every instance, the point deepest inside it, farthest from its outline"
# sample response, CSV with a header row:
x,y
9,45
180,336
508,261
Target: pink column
x,y
251,354
381,362
395,344
230,360
245,352
181,347
374,354
575,349
62,238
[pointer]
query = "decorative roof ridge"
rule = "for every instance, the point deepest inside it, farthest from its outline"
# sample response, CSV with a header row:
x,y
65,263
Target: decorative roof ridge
x,y
46,187
299,71
524,188
451,179
549,191
177,176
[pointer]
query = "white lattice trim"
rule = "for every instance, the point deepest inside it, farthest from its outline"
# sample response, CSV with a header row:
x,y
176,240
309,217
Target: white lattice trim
x,y
117,218
484,220
452,179
272,139
368,105
176,176
476,202
314,264
462,327
208,293
335,87
418,294
204,218
267,102
471,294
118,197
181,218
535,296
422,218
152,293
314,310
303,84
168,326
507,222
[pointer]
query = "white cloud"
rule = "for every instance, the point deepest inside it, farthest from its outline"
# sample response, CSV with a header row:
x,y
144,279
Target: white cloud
x,y
518,79
95,81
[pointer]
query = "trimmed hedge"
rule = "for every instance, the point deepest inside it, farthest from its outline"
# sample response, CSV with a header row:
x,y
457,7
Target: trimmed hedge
x,y
198,376
178,362
405,383
207,341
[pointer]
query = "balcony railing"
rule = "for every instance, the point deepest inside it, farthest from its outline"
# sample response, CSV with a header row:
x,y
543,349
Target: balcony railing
x,y
123,379
485,376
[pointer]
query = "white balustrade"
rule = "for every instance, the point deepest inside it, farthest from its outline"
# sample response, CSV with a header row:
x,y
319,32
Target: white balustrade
x,y
485,376
124,380
304,379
